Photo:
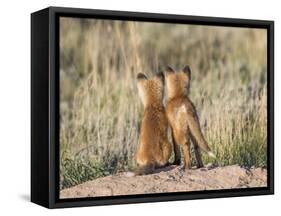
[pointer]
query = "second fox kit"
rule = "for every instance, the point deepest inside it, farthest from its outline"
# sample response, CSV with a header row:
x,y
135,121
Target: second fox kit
x,y
154,148
183,117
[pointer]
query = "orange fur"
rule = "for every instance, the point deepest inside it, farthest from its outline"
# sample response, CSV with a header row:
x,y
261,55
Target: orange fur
x,y
154,148
183,118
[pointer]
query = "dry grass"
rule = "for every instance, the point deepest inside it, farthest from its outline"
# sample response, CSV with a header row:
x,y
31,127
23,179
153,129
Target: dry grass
x,y
100,109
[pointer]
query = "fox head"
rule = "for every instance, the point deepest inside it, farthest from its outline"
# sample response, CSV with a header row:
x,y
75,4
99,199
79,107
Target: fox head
x,y
178,83
151,91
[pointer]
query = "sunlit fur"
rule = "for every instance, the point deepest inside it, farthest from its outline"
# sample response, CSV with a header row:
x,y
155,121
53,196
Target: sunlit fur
x,y
183,118
177,83
154,148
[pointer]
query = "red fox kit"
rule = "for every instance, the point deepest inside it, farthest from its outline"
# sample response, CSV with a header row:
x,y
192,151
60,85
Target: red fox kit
x,y
154,148
182,117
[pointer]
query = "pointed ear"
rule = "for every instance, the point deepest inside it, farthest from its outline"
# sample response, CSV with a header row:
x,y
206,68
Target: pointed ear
x,y
169,70
141,76
187,71
141,81
160,76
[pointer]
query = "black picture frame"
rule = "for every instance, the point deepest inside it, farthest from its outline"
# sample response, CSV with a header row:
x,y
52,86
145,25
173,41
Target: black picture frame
x,y
45,106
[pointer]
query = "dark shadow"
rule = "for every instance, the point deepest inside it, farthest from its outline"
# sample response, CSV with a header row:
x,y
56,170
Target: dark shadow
x,y
25,197
165,169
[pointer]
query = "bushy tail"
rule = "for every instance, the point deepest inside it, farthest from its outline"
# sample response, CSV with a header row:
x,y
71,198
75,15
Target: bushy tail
x,y
144,170
194,127
141,170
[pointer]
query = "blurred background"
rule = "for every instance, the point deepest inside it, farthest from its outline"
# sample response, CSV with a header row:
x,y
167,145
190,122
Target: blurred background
x,y
100,110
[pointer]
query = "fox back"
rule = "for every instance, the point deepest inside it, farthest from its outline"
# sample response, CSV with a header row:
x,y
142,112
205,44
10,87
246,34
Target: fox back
x,y
181,112
154,148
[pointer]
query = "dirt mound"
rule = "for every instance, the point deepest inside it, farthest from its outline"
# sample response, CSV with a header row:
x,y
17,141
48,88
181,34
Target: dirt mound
x,y
171,179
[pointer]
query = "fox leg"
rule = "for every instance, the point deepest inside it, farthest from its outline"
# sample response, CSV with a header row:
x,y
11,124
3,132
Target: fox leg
x,y
186,152
197,153
176,146
166,151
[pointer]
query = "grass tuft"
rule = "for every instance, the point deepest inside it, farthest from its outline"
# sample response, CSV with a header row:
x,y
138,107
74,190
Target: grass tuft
x,y
100,110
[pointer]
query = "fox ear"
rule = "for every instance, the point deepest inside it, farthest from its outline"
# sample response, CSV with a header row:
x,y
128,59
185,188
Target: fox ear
x,y
187,71
141,81
169,70
141,76
160,76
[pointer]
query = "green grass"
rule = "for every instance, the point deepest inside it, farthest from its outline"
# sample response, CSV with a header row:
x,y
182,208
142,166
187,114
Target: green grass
x,y
100,110
77,170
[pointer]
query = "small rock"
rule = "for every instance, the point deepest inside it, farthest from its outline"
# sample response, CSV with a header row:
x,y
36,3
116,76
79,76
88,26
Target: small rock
x,y
170,177
156,177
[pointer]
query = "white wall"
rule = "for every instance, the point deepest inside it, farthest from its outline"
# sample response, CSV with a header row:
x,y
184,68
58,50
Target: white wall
x,y
15,106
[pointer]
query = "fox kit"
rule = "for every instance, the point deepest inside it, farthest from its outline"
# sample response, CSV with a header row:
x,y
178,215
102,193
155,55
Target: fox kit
x,y
154,148
182,117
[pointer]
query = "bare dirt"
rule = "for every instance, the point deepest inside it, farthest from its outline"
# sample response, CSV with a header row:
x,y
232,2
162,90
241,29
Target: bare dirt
x,y
171,179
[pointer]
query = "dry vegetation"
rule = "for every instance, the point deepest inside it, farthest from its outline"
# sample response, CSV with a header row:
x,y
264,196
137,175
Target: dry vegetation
x,y
100,109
